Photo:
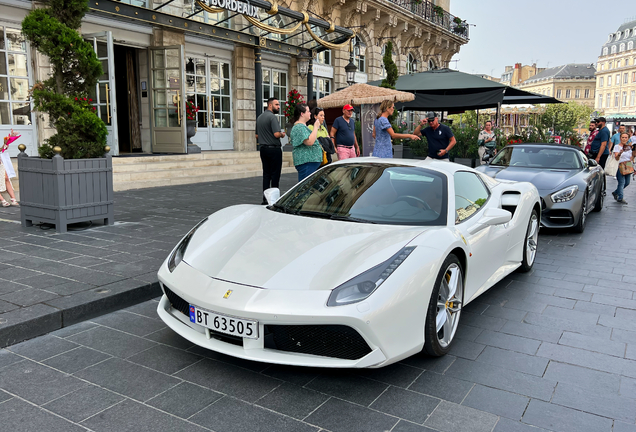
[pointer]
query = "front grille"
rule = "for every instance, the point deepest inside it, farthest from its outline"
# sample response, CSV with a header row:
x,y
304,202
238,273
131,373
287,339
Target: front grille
x,y
336,341
177,302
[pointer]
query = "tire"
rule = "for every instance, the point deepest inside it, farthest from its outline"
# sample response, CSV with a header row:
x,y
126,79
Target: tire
x,y
598,206
530,243
446,302
580,226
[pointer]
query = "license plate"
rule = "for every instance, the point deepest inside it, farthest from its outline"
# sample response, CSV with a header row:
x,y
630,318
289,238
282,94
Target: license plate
x,y
223,323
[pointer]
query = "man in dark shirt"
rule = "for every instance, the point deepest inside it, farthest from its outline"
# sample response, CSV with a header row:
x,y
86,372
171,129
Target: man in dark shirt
x,y
268,135
600,150
440,137
343,135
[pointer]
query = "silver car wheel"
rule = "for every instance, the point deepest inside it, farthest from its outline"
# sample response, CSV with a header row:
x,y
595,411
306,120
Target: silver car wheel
x,y
531,240
449,304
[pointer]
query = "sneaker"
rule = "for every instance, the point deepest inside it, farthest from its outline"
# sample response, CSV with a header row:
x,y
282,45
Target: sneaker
x,y
622,201
615,196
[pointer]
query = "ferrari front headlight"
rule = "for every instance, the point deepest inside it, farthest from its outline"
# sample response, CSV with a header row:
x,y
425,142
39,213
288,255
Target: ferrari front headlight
x,y
363,285
177,254
564,195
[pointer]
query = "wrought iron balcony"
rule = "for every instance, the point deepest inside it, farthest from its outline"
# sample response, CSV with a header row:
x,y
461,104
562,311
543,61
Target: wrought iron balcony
x,y
435,15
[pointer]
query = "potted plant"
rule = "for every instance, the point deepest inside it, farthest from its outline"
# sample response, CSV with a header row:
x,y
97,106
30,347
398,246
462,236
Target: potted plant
x,y
465,150
72,180
191,125
417,149
439,11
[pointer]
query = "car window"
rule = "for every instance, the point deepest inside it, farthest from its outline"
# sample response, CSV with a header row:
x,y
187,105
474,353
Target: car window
x,y
537,156
470,195
371,192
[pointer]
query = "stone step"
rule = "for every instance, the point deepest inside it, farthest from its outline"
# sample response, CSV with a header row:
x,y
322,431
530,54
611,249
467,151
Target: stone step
x,y
185,172
157,182
159,165
185,157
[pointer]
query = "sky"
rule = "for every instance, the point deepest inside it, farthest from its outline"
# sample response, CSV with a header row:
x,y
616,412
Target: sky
x,y
547,32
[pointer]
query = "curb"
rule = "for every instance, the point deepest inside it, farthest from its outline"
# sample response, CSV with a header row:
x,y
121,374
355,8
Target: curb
x,y
42,318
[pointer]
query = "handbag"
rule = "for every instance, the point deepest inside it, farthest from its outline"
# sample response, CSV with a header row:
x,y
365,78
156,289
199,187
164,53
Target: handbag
x,y
626,168
324,158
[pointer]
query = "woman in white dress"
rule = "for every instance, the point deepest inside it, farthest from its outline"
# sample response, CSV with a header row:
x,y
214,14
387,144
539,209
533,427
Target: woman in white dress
x,y
7,172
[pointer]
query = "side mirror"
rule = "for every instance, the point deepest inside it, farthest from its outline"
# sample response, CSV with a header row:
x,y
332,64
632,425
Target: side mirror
x,y
272,195
491,216
592,163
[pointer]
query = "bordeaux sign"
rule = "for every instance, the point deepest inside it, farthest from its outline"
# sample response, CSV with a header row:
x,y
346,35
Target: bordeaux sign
x,y
237,6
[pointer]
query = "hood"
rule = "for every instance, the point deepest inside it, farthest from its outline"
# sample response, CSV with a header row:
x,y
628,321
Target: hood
x,y
545,180
254,246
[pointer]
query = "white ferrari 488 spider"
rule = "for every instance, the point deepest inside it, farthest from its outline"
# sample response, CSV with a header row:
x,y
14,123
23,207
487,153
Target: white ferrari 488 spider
x,y
364,263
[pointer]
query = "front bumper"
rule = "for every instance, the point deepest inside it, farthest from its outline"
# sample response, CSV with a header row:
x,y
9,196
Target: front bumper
x,y
283,309
561,215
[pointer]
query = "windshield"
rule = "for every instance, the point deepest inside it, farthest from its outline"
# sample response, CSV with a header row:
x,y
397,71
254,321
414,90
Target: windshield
x,y
538,157
370,193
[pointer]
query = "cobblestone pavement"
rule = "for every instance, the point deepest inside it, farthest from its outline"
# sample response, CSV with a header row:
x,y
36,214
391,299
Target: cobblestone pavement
x,y
553,350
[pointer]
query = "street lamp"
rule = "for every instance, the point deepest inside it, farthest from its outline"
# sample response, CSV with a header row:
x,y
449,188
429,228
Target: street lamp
x,y
351,69
302,61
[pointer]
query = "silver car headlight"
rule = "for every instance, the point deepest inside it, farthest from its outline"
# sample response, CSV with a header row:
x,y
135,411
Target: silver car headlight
x,y
177,254
564,195
363,285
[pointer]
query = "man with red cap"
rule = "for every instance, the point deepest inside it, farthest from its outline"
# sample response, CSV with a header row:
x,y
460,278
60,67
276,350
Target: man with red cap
x,y
343,135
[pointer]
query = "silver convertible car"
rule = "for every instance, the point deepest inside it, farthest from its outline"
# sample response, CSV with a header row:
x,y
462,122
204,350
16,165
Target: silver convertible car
x,y
570,185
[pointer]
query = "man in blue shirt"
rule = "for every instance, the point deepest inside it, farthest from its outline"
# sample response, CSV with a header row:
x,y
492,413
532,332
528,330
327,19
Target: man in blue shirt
x,y
440,137
616,138
600,150
343,135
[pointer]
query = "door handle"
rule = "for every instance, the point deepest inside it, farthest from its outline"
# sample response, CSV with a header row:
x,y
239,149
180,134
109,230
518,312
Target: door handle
x,y
108,103
178,108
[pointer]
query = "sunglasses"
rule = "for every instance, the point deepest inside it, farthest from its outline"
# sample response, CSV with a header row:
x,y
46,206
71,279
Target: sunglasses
x,y
430,121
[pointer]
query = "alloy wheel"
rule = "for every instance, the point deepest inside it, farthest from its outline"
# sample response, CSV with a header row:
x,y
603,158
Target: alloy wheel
x,y
531,240
449,304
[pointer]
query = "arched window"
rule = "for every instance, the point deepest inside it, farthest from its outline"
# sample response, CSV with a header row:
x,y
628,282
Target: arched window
x,y
359,50
613,49
630,45
626,33
622,48
431,64
605,51
411,64
618,35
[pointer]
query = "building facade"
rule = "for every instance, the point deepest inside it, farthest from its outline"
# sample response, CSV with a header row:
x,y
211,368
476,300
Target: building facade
x,y
515,75
616,76
225,56
568,83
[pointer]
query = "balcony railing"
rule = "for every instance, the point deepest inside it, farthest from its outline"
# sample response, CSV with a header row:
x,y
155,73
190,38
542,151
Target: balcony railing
x,y
440,17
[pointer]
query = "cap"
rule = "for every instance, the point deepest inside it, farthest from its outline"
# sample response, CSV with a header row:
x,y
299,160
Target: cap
x,y
347,107
431,115
601,119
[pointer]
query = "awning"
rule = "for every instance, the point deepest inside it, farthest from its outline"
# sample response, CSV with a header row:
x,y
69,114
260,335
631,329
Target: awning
x,y
450,90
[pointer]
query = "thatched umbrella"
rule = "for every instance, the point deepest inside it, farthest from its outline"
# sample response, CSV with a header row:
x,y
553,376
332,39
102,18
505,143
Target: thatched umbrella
x,y
359,94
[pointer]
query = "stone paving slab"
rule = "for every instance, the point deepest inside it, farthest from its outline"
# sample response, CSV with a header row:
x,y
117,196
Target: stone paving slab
x,y
49,280
551,350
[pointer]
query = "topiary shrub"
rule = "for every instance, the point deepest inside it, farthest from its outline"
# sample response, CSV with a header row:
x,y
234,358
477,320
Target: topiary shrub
x,y
75,70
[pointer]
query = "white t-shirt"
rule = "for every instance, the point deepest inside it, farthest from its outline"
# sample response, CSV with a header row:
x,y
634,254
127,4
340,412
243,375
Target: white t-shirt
x,y
626,156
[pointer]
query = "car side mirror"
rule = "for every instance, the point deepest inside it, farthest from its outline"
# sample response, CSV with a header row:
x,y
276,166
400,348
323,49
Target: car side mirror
x,y
491,217
592,163
272,195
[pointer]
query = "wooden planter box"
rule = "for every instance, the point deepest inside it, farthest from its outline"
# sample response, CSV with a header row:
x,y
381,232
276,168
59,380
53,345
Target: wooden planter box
x,y
464,161
398,151
62,192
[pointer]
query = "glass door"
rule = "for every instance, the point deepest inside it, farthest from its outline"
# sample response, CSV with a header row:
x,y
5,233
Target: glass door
x,y
275,85
104,93
167,102
208,87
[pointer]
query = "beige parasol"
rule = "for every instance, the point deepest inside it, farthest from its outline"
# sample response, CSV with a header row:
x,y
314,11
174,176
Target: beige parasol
x,y
359,94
